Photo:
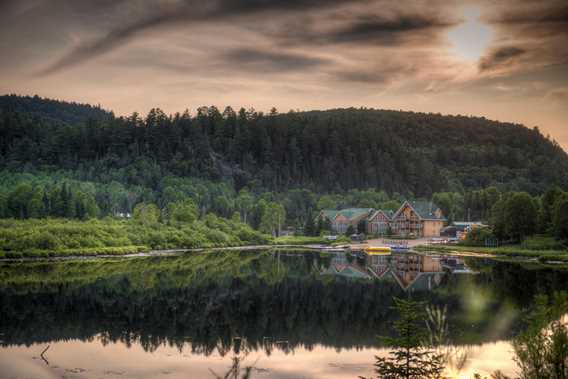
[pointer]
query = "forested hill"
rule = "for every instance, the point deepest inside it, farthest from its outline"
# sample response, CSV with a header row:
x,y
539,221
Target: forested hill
x,y
334,150
52,110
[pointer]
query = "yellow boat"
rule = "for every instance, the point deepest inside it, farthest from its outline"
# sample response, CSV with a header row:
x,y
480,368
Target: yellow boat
x,y
378,250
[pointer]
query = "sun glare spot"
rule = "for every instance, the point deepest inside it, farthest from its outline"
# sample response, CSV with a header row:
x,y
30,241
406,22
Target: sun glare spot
x,y
470,39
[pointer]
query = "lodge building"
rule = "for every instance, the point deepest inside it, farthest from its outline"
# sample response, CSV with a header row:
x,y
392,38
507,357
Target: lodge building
x,y
412,219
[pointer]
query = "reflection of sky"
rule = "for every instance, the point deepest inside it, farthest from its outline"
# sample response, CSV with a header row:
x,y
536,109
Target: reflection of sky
x,y
93,360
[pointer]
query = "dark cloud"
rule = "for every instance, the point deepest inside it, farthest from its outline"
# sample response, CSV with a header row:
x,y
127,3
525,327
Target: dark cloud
x,y
537,13
270,61
389,29
365,77
499,57
385,30
181,12
381,74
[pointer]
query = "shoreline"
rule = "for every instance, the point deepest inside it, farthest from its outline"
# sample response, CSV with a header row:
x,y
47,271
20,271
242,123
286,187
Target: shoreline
x,y
541,256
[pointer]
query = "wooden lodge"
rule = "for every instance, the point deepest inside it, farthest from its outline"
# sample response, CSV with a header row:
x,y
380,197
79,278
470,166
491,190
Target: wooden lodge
x,y
412,219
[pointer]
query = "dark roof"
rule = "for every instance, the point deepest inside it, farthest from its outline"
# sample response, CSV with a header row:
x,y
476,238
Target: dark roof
x,y
426,209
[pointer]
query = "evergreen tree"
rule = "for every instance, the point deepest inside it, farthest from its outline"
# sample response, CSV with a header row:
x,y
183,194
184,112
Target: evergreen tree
x,y
549,199
310,228
411,358
560,219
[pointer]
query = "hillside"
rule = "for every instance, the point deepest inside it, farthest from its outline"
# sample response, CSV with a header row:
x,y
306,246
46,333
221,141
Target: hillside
x,y
52,110
335,150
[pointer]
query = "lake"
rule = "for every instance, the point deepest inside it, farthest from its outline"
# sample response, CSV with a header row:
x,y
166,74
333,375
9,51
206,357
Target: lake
x,y
285,314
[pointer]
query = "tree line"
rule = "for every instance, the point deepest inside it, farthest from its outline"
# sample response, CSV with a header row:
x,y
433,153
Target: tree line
x,y
410,153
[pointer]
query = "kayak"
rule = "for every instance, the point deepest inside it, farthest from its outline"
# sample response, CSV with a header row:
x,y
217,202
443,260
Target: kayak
x,y
377,250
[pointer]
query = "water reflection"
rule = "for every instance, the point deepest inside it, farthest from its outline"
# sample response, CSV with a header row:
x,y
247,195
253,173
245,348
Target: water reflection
x,y
412,272
210,308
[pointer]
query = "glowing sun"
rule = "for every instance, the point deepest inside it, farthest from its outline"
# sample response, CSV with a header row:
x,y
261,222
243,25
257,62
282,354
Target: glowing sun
x,y
470,38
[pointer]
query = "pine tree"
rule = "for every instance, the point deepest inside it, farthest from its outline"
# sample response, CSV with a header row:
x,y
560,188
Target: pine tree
x,y
411,358
310,227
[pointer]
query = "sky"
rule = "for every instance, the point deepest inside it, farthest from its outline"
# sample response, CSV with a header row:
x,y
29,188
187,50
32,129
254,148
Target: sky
x,y
505,60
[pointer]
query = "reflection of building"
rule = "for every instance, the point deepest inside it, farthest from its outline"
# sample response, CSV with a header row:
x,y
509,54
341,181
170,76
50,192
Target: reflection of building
x,y
413,218
341,266
416,272
413,272
378,263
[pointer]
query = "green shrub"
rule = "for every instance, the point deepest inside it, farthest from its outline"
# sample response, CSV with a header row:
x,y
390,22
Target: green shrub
x,y
53,237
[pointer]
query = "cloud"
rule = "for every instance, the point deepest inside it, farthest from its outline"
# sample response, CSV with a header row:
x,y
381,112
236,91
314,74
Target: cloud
x,y
384,30
113,39
176,13
272,61
391,27
559,95
549,12
500,57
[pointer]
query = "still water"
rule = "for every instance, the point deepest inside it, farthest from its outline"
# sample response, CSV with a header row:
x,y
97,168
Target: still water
x,y
281,314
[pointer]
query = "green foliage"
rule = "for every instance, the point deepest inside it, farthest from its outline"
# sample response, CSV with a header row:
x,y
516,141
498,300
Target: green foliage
x,y
411,357
335,150
560,220
478,204
245,203
48,237
310,227
542,242
273,216
515,216
300,240
542,348
478,236
451,204
147,214
549,206
183,212
323,225
350,230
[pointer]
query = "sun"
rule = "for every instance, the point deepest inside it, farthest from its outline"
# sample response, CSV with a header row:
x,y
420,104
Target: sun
x,y
470,39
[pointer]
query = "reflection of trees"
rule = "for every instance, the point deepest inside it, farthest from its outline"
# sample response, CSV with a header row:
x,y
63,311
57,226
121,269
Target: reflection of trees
x,y
303,312
272,301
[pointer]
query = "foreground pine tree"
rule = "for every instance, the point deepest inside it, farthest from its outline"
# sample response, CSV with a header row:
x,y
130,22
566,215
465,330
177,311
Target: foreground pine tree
x,y
411,357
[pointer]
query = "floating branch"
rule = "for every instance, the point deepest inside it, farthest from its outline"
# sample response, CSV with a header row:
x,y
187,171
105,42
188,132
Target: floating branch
x,y
42,355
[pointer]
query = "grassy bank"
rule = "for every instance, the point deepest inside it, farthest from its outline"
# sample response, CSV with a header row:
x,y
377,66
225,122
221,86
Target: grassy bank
x,y
308,240
64,237
304,240
543,255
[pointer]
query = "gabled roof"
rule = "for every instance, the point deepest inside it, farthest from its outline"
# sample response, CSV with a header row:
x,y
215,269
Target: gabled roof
x,y
329,213
388,214
424,209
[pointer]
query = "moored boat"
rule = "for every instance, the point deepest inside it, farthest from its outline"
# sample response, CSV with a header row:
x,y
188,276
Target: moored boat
x,y
378,250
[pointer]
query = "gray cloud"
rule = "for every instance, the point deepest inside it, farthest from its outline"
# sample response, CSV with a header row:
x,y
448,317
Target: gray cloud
x,y
181,12
499,57
545,12
270,61
392,27
385,30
